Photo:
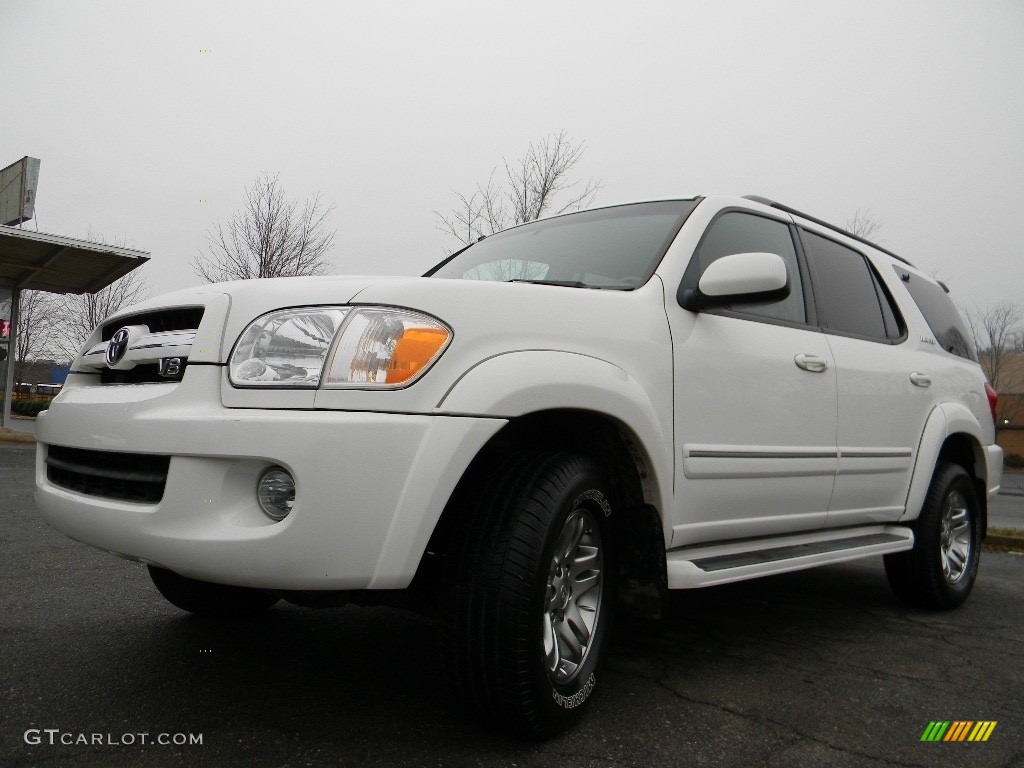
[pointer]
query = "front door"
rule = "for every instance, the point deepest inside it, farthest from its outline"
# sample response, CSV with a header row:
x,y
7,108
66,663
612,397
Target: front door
x,y
755,401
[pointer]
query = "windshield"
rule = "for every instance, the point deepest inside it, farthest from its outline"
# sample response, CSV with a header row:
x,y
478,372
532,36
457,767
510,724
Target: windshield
x,y
617,248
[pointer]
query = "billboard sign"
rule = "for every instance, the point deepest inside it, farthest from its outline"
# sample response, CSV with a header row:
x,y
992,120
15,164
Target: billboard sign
x,y
18,184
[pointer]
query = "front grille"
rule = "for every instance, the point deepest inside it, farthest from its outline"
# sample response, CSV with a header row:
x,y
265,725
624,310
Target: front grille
x,y
124,476
146,373
158,321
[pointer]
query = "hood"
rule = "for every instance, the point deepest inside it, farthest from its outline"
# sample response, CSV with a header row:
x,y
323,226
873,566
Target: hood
x,y
487,318
490,318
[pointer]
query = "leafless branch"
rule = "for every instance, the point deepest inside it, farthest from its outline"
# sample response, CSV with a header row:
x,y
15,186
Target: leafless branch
x,y
863,224
36,328
269,237
997,333
55,327
533,184
80,314
999,336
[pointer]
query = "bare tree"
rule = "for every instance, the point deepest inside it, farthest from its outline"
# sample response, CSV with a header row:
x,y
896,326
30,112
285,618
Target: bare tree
x,y
532,187
863,224
37,312
36,329
81,313
75,316
269,237
999,337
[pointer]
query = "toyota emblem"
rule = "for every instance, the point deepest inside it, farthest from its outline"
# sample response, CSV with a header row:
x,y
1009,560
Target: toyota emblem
x,y
117,346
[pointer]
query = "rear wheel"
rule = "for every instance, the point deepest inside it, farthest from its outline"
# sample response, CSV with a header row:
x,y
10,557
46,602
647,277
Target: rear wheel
x,y
206,599
940,570
529,600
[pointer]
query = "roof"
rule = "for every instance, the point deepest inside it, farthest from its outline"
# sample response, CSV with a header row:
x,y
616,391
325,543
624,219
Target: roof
x,y
833,227
42,262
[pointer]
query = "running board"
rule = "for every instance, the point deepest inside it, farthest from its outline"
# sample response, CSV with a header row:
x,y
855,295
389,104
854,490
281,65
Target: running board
x,y
707,564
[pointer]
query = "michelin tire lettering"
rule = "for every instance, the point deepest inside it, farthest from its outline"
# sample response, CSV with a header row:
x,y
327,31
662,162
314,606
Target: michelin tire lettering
x,y
578,698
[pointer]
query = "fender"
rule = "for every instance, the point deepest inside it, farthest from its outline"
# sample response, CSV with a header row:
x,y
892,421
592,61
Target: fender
x,y
945,419
519,383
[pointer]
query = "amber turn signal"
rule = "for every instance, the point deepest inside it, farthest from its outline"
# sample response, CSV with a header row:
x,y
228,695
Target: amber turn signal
x,y
414,350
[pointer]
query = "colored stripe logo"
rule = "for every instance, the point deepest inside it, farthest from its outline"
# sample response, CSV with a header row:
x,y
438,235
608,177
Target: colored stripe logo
x,y
958,730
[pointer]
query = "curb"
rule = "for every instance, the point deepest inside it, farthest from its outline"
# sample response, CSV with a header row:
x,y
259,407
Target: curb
x,y
10,436
1004,544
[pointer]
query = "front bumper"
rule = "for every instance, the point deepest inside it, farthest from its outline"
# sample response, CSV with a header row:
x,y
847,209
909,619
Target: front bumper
x,y
369,486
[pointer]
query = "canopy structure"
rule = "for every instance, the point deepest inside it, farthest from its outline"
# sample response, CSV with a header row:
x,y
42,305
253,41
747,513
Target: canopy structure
x,y
42,262
38,261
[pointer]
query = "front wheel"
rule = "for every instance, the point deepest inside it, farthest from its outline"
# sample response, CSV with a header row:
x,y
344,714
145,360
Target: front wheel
x,y
940,570
530,595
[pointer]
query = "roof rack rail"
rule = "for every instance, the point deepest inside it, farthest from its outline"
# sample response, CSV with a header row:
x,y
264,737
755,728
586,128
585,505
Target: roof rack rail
x,y
833,227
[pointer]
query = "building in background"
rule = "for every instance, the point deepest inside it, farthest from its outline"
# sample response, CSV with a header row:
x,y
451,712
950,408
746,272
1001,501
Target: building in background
x,y
43,262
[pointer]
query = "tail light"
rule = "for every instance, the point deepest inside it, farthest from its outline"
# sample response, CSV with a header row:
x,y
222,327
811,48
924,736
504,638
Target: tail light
x,y
993,400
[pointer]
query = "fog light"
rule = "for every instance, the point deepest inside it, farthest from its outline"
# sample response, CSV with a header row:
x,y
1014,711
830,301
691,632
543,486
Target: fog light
x,y
276,493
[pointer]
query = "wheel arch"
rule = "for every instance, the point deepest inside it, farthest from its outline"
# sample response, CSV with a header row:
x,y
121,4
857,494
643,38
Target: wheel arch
x,y
533,384
951,434
633,487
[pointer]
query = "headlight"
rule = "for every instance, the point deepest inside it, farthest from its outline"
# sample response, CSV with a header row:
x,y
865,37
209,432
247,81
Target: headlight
x,y
385,347
365,347
285,348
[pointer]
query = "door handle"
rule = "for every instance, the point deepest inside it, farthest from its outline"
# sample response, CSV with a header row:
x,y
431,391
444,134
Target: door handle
x,y
920,379
811,363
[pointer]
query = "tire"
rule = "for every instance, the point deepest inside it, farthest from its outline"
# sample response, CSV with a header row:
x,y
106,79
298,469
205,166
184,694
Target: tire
x,y
211,600
940,570
529,596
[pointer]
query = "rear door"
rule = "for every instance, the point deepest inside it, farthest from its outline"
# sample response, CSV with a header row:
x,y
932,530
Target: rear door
x,y
883,399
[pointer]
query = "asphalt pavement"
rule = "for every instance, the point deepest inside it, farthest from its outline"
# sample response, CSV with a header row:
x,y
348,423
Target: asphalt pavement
x,y
1006,511
819,668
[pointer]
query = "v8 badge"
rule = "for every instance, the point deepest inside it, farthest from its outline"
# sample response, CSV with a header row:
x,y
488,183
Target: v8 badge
x,y
171,368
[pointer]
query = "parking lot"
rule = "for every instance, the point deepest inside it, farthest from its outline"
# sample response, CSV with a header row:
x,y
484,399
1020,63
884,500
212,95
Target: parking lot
x,y
816,668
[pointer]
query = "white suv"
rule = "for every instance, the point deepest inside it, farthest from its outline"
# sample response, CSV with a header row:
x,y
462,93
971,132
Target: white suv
x,y
558,422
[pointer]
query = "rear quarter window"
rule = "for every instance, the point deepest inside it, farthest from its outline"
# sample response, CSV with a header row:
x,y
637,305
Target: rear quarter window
x,y
940,313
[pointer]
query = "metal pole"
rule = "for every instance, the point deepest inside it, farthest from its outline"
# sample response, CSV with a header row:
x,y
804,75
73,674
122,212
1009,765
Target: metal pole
x,y
12,356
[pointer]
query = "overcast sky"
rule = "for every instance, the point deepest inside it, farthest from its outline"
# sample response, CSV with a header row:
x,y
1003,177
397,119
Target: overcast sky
x,y
914,110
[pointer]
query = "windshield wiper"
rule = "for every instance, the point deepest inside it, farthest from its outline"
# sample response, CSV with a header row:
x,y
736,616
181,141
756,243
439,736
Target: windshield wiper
x,y
565,283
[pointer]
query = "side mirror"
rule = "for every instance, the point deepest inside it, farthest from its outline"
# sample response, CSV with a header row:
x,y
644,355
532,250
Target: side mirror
x,y
747,278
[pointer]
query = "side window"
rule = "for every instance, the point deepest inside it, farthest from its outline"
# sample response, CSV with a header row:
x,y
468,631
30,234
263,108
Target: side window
x,y
846,293
940,313
737,232
894,325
